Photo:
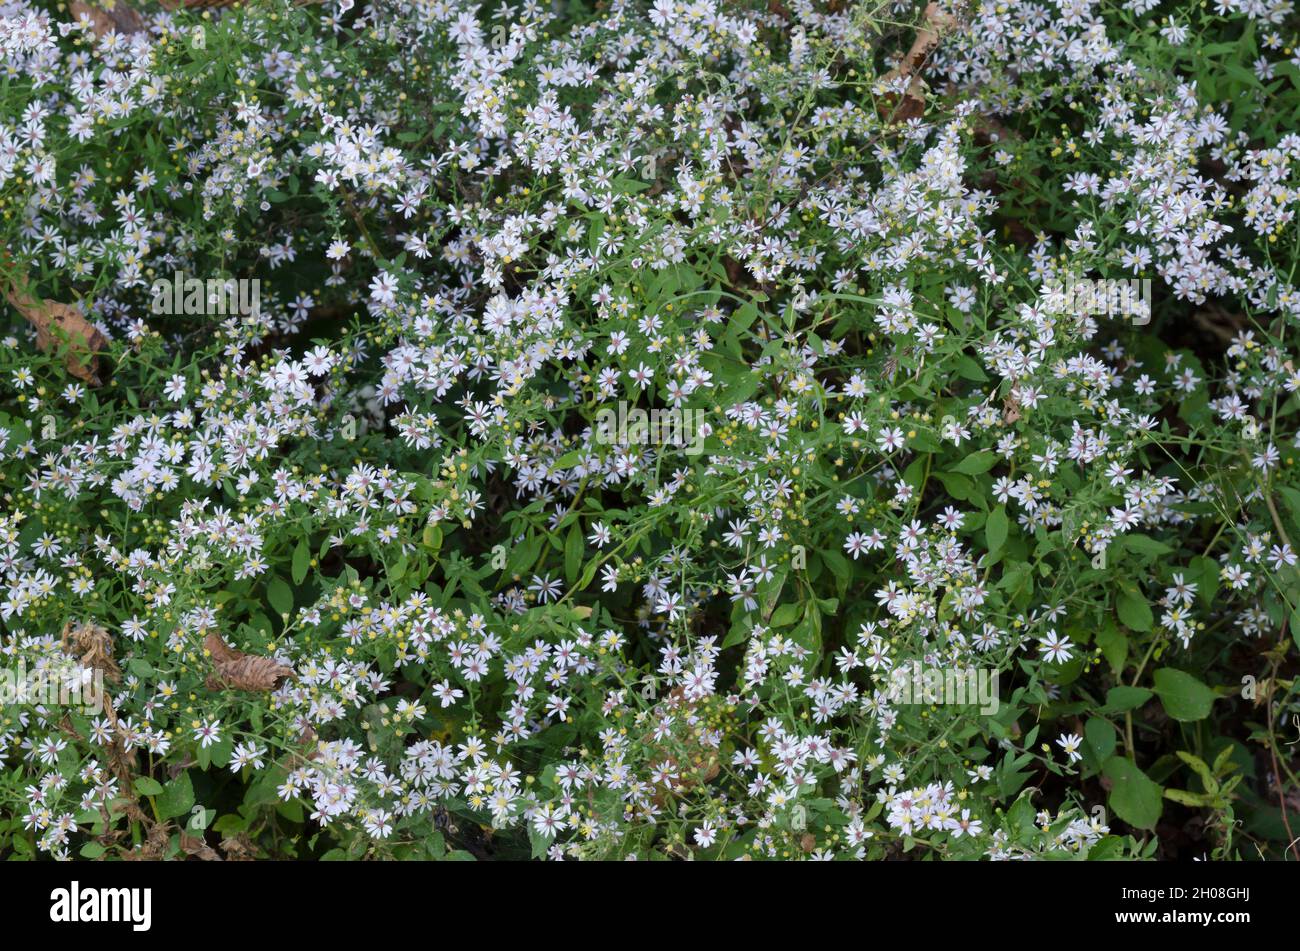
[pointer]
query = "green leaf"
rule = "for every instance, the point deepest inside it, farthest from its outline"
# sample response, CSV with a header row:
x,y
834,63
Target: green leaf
x,y
1123,699
1194,800
1142,545
588,573
1101,737
538,842
177,797
1133,797
838,564
1114,645
1291,498
1201,769
432,536
995,529
976,463
1108,849
280,596
1183,696
1134,611
742,317
960,487
436,845
573,548
786,614
970,370
738,633
144,786
301,561
523,556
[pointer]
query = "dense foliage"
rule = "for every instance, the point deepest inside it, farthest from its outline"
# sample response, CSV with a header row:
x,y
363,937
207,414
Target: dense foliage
x,y
398,559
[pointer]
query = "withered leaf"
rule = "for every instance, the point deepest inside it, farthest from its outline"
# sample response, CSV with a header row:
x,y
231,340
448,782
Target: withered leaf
x,y
1010,410
194,845
238,847
217,4
911,104
116,16
240,671
57,323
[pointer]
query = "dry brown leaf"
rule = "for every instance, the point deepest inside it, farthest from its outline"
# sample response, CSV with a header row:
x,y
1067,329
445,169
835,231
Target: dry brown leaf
x,y
110,839
111,16
57,323
194,845
129,808
240,671
989,130
216,4
912,103
238,847
1010,410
